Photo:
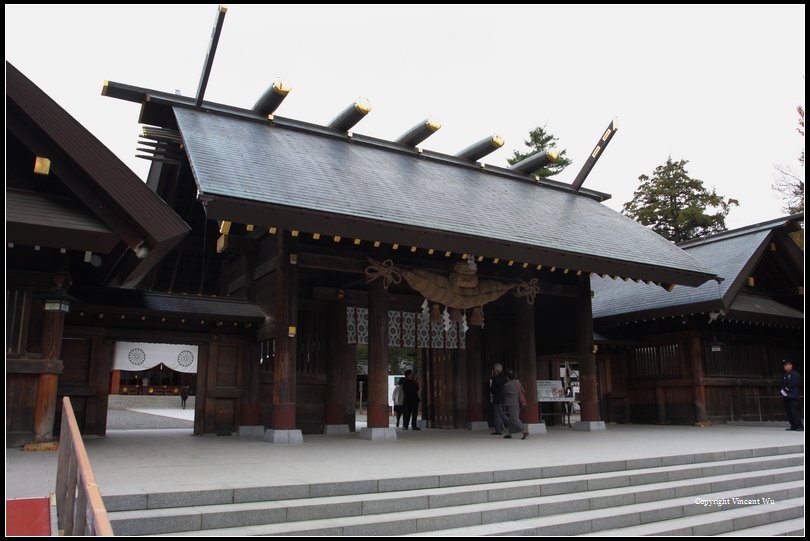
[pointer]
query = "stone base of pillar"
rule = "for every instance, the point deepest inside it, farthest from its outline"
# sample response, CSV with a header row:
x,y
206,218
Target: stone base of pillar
x,y
250,430
422,423
536,428
293,437
330,430
590,426
477,425
378,434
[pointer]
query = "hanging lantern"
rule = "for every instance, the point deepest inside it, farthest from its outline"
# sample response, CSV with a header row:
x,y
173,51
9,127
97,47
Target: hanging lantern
x,y
464,275
477,317
435,313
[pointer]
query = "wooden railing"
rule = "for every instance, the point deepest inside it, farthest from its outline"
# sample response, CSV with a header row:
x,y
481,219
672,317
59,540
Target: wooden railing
x,y
79,508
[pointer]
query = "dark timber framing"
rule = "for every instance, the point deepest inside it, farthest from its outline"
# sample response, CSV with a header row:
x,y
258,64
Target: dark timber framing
x,y
261,266
86,219
301,250
711,354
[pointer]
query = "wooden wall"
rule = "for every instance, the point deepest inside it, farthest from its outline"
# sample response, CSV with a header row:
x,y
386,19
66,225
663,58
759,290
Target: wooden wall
x,y
654,381
85,378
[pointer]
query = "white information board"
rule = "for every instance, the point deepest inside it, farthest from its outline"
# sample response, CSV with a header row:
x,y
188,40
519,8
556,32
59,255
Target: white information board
x,y
551,390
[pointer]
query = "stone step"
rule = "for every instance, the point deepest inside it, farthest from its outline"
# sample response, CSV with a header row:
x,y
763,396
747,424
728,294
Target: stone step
x,y
400,521
658,482
793,526
637,517
745,518
596,475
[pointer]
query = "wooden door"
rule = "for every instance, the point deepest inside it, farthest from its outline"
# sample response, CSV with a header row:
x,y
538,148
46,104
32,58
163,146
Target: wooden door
x,y
223,389
85,379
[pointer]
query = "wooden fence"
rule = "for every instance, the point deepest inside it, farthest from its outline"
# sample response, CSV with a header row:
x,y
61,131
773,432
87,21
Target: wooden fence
x,y
79,508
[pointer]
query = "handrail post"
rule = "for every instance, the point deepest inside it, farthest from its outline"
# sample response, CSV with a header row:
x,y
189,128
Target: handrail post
x,y
80,509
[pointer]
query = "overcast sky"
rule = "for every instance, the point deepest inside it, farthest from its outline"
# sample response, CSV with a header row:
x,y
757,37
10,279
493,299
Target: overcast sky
x,y
713,85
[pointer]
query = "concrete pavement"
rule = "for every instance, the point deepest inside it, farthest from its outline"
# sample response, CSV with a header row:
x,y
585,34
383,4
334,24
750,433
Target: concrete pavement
x,y
168,460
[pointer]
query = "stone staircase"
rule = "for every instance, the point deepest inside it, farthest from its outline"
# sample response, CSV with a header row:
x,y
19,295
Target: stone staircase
x,y
743,492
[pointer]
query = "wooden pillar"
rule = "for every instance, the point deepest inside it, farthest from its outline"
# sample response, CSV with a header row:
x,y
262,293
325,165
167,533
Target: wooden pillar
x,y
377,354
695,352
286,325
115,382
460,375
350,386
588,401
527,360
442,388
53,326
475,385
427,405
250,414
695,349
337,364
661,404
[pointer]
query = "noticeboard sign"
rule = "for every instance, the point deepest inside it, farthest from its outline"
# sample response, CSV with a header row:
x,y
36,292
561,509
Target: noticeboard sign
x,y
551,391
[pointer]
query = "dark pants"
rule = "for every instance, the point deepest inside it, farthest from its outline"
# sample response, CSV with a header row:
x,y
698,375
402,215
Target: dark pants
x,y
793,415
498,417
183,401
410,411
398,412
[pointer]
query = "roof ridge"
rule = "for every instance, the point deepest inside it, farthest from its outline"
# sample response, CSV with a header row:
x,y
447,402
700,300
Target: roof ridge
x,y
157,97
740,231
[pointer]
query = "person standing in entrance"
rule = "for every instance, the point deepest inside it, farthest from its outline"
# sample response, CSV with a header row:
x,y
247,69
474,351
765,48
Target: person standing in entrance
x,y
397,398
511,399
410,400
496,385
790,391
184,396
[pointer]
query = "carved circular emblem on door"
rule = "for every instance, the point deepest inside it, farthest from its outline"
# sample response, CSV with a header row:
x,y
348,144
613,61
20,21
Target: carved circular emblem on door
x,y
186,358
137,356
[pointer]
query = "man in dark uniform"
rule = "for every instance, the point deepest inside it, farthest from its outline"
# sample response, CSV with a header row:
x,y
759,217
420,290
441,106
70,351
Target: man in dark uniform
x,y
410,402
790,391
496,384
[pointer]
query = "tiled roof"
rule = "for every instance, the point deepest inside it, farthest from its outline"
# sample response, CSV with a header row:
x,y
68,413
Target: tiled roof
x,y
244,160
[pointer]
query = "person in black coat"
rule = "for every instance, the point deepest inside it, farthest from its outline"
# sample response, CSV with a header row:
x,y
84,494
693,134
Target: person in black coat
x,y
790,391
410,402
496,385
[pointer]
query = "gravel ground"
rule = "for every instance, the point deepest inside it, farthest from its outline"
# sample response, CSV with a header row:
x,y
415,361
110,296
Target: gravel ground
x,y
134,420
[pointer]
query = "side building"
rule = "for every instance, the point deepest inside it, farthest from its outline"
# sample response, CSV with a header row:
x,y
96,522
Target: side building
x,y
84,236
712,353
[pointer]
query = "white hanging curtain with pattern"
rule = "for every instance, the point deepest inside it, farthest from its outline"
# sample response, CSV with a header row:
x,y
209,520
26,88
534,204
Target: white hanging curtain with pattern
x,y
137,356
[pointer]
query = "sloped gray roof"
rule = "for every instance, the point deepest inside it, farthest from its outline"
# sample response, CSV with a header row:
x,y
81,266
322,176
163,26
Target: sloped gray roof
x,y
56,222
726,253
257,162
764,305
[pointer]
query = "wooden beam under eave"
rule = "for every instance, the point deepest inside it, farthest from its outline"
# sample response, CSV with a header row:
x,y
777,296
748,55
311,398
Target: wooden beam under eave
x,y
232,243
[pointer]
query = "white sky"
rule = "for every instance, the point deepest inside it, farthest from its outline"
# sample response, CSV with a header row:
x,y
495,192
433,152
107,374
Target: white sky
x,y
714,85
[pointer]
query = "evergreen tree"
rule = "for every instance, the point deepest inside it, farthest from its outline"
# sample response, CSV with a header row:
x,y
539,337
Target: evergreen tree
x,y
676,206
540,140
